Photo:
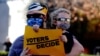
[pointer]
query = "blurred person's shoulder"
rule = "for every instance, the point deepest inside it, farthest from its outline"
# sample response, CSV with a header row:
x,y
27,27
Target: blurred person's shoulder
x,y
18,43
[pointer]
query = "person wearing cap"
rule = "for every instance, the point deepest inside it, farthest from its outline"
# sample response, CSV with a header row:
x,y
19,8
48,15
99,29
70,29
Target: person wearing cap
x,y
36,18
61,19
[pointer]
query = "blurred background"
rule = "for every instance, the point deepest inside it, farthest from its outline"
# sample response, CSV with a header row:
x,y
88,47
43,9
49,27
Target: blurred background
x,y
85,21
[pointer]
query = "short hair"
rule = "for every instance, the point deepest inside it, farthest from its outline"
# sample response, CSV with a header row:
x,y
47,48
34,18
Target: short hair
x,y
55,13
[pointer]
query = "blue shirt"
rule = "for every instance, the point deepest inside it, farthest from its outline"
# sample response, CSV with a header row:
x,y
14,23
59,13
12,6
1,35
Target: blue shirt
x,y
17,47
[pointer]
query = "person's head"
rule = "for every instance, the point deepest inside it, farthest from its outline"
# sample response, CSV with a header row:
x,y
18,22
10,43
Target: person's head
x,y
36,15
61,18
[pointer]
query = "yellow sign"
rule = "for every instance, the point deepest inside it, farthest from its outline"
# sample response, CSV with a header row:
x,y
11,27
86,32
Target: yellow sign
x,y
45,42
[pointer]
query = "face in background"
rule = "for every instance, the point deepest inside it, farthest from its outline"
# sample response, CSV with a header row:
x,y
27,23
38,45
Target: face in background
x,y
63,20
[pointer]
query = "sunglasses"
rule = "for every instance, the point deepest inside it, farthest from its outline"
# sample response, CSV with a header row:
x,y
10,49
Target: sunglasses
x,y
34,15
62,19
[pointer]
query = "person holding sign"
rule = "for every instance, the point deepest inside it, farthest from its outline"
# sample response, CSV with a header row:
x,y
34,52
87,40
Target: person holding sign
x,y
36,18
61,19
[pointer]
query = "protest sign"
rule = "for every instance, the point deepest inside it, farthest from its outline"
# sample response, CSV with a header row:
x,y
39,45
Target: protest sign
x,y
45,42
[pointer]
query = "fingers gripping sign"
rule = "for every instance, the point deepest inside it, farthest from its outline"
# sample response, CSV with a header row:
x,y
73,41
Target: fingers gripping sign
x,y
64,38
25,52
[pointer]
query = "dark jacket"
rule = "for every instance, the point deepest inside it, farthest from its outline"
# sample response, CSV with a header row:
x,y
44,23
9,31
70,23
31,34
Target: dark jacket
x,y
68,46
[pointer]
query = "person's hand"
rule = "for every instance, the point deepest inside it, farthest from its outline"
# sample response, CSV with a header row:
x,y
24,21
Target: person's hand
x,y
36,28
25,52
64,38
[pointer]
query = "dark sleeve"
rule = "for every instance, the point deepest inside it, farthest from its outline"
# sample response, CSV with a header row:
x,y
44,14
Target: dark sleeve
x,y
17,47
68,46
